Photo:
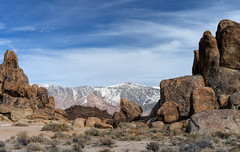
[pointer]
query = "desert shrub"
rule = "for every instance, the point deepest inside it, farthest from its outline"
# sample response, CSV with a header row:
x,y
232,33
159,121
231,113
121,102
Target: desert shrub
x,y
36,139
2,144
59,135
2,149
22,138
166,149
54,127
81,138
19,124
107,141
77,147
197,142
92,132
34,147
105,150
153,146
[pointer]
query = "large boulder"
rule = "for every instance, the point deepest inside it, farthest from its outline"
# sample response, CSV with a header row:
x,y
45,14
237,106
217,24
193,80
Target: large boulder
x,y
92,120
180,91
224,121
169,112
131,110
79,122
203,98
228,38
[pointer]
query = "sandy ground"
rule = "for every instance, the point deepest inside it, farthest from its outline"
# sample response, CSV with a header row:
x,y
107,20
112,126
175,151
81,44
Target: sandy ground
x,y
120,146
7,131
33,130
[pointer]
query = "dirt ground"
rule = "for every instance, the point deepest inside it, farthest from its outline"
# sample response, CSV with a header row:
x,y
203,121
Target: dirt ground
x,y
7,131
33,130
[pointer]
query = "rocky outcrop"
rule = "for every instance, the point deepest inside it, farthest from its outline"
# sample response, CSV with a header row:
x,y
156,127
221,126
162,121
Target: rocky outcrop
x,y
18,99
129,111
214,84
219,60
225,121
85,112
180,91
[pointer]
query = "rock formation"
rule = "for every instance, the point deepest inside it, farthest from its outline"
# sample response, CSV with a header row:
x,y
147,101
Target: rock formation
x,y
129,111
18,99
225,121
85,112
214,84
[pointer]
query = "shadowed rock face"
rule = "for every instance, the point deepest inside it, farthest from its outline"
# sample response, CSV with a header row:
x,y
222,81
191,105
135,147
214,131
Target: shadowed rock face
x,y
19,99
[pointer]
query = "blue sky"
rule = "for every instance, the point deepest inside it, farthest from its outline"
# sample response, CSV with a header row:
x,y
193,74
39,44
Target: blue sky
x,y
104,42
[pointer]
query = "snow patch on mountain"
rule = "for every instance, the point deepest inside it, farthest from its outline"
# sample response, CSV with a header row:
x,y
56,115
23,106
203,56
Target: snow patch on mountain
x,y
66,97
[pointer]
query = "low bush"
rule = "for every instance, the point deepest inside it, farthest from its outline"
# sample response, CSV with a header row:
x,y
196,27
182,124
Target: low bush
x,y
59,135
92,132
153,146
54,127
22,138
107,141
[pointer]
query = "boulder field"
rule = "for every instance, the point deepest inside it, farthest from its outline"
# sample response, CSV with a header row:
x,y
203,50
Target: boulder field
x,y
209,98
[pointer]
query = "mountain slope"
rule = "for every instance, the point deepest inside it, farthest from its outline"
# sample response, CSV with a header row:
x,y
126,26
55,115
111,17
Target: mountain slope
x,y
105,98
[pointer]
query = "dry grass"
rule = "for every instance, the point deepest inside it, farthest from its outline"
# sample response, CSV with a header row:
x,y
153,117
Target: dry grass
x,y
54,127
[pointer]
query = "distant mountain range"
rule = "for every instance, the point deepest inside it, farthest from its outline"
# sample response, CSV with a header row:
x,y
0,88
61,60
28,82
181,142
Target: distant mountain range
x,y
105,98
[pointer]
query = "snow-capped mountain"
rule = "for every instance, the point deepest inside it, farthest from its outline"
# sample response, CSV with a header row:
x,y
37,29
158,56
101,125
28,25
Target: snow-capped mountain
x,y
105,98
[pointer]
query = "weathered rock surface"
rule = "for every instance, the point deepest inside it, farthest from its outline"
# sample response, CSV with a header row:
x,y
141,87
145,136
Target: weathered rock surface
x,y
158,124
119,116
180,90
4,121
103,126
169,112
129,111
92,120
208,54
234,101
228,38
79,122
213,121
203,98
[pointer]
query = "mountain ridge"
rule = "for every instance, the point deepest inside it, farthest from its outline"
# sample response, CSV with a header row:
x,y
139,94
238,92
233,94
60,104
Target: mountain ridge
x,y
104,98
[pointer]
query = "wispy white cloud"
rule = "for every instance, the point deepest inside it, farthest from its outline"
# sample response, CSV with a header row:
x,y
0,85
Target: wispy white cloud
x,y
24,28
5,42
102,66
